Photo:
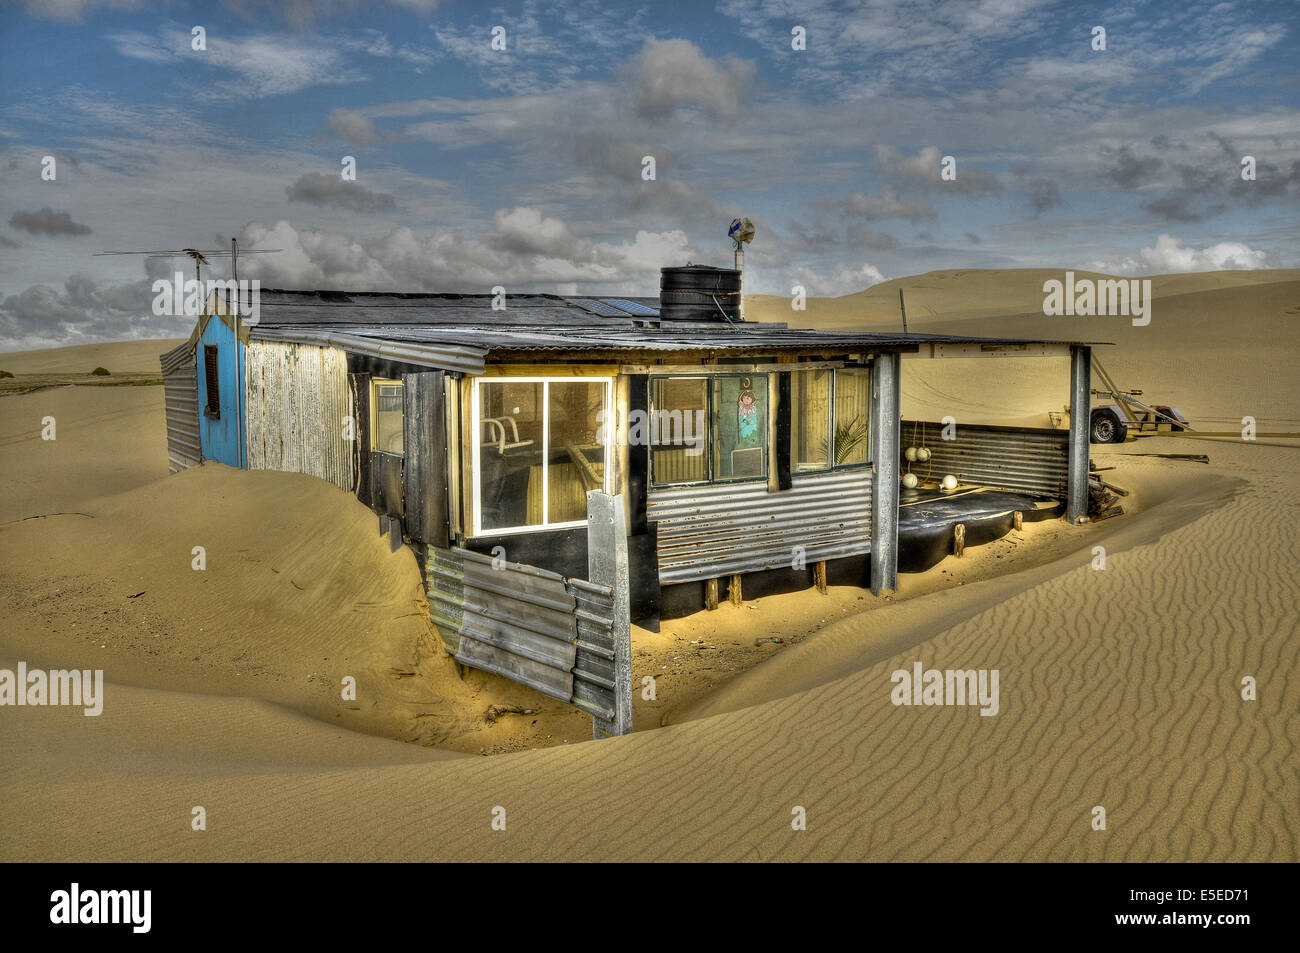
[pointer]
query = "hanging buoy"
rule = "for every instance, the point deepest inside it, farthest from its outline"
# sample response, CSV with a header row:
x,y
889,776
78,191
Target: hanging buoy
x,y
910,454
909,480
923,453
949,482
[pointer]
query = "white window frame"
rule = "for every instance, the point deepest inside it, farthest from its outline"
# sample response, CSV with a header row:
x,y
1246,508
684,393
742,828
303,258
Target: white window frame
x,y
476,440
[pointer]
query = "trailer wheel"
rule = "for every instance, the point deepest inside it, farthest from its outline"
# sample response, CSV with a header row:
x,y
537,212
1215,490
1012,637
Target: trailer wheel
x,y
1106,427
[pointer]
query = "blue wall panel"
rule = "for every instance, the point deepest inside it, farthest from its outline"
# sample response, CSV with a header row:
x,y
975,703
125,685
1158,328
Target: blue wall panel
x,y
222,437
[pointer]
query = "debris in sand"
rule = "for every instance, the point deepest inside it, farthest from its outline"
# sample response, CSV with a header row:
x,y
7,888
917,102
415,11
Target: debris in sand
x,y
774,640
496,711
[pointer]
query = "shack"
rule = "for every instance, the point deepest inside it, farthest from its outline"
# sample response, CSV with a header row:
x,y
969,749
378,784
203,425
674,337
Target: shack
x,y
747,453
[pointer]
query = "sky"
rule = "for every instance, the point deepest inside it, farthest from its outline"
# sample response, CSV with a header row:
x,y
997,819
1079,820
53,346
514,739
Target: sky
x,y
826,123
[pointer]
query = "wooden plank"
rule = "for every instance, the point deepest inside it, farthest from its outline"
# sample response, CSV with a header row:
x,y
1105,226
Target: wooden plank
x,y
711,593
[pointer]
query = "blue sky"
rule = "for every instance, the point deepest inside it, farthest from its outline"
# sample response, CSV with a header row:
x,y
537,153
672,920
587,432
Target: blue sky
x,y
523,167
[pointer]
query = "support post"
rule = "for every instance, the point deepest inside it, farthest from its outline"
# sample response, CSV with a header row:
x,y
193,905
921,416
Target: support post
x,y
887,425
733,590
1080,414
607,566
711,593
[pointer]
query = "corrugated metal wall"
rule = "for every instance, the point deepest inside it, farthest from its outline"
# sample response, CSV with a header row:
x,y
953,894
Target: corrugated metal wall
x,y
517,621
711,531
1009,457
298,396
181,397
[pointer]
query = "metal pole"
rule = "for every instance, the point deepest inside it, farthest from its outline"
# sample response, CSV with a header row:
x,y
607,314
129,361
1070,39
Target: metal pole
x,y
740,267
239,378
886,423
607,566
1080,419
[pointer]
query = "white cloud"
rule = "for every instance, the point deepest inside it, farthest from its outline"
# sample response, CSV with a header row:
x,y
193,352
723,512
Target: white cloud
x,y
667,74
1169,256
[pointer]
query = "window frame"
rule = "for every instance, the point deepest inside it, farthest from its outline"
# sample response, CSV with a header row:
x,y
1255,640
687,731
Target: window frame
x,y
375,384
710,407
832,466
212,381
708,378
608,425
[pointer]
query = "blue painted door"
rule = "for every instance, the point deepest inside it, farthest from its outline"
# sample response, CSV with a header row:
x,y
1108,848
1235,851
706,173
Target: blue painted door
x,y
219,364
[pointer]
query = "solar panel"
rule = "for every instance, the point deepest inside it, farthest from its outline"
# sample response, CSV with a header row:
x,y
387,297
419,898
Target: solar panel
x,y
596,306
632,307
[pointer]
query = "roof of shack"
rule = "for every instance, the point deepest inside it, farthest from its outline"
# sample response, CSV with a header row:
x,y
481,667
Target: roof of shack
x,y
458,332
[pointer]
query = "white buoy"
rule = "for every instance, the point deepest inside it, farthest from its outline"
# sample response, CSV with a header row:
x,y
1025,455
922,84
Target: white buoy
x,y
909,480
949,482
910,454
923,453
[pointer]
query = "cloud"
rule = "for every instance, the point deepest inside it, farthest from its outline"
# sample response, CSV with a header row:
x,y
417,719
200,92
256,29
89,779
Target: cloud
x,y
266,65
845,279
354,126
923,171
1043,195
1127,168
319,188
523,249
888,205
46,221
668,74
75,10
1169,256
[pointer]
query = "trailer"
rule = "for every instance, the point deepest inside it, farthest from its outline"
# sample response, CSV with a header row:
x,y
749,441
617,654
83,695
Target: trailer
x,y
1127,415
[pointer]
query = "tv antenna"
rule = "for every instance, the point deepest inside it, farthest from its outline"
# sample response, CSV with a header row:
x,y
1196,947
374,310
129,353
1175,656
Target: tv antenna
x,y
199,255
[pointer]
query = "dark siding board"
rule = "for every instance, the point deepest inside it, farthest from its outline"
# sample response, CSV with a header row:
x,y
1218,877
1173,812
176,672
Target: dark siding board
x,y
361,408
638,458
424,425
565,552
386,484
783,476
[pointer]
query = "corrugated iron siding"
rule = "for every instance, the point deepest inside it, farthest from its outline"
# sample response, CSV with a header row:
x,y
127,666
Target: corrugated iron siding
x,y
711,531
517,621
1007,457
181,397
298,397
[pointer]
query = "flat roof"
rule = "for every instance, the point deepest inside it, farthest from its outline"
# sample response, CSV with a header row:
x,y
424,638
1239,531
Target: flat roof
x,y
464,329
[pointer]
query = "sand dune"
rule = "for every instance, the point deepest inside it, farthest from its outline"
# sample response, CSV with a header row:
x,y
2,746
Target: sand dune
x,y
1119,688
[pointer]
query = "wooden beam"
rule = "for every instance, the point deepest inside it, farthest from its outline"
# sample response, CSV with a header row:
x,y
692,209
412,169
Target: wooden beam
x,y
819,576
959,539
733,590
1018,520
711,593
697,370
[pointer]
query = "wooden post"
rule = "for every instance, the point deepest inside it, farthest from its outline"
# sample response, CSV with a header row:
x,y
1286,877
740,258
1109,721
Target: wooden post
x,y
711,593
733,590
1018,520
819,576
959,539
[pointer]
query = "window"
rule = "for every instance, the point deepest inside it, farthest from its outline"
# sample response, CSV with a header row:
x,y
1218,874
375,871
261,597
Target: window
x,y
852,401
810,421
213,379
539,445
707,429
386,416
828,418
740,427
677,429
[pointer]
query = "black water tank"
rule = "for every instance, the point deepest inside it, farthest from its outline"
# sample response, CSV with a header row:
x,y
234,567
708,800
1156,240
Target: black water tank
x,y
698,293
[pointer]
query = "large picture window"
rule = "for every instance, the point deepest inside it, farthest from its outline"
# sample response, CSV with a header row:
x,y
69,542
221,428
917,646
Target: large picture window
x,y
539,446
